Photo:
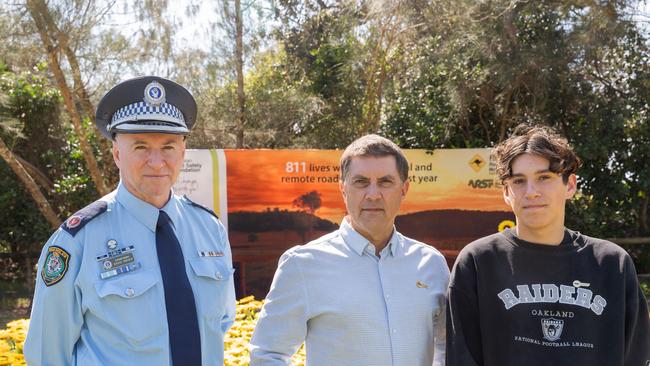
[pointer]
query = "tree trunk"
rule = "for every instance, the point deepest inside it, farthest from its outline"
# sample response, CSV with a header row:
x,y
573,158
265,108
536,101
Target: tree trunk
x,y
37,9
79,89
42,203
380,65
239,64
110,170
38,176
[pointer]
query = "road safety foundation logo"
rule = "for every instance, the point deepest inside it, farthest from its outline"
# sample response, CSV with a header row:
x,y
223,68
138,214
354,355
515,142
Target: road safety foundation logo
x,y
552,328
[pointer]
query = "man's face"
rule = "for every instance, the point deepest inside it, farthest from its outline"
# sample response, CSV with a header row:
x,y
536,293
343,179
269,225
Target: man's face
x,y
149,164
373,192
537,195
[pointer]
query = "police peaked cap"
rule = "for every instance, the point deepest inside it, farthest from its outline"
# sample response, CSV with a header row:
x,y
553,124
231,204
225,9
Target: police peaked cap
x,y
147,104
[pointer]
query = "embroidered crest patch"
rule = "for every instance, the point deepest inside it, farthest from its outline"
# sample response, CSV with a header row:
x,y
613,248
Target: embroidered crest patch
x,y
55,265
552,328
73,221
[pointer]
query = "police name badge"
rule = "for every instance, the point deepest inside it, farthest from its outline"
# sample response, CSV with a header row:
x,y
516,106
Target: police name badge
x,y
210,253
55,265
117,260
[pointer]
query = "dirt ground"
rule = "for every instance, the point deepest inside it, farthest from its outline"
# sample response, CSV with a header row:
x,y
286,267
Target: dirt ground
x,y
13,306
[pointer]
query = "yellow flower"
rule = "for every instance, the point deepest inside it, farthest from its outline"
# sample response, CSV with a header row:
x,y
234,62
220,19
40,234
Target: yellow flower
x,y
12,339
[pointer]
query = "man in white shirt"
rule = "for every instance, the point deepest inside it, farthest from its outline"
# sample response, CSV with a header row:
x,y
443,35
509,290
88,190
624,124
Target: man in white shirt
x,y
363,294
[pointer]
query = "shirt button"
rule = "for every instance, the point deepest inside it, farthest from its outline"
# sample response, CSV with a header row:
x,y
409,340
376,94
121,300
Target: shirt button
x,y
218,276
394,330
129,292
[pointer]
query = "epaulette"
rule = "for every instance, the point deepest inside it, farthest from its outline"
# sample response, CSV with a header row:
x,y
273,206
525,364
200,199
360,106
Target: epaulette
x,y
201,206
77,221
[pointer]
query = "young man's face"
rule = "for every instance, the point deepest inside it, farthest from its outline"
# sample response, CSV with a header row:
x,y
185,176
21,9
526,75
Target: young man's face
x,y
373,192
537,195
149,164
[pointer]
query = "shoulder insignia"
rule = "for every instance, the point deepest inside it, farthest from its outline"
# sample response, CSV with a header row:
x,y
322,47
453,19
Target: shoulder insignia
x,y
201,206
55,265
77,221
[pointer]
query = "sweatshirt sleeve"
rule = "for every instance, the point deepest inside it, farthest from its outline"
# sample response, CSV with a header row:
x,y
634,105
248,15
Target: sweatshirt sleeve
x,y
464,346
637,320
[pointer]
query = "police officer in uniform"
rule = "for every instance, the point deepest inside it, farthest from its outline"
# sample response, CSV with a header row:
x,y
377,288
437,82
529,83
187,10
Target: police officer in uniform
x,y
141,276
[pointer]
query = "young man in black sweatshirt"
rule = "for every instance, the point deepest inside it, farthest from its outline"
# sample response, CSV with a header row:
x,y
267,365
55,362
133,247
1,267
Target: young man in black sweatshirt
x,y
541,294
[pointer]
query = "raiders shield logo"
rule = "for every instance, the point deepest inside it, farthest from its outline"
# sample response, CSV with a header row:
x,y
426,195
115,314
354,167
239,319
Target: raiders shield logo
x,y
552,329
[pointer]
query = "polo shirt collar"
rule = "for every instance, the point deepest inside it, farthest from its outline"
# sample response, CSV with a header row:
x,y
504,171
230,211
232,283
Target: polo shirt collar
x,y
358,243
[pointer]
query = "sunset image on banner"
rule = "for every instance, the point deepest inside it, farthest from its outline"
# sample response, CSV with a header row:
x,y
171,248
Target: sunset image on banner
x,y
281,198
261,180
440,180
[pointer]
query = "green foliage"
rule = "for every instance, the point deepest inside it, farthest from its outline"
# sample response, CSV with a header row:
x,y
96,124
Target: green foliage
x,y
73,186
26,111
31,127
486,67
419,114
31,108
332,76
325,60
23,227
645,287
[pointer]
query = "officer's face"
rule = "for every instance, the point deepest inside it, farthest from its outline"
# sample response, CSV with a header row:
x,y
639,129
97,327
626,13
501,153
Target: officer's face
x,y
149,164
373,192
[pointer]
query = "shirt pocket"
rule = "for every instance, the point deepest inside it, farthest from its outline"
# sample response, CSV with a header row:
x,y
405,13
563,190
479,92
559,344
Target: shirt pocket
x,y
121,303
211,283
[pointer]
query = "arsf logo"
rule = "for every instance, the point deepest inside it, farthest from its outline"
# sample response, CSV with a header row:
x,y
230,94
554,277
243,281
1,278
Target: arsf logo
x,y
484,183
481,183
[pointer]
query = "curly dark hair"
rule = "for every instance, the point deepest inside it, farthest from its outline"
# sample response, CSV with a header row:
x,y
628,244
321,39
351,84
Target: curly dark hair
x,y
538,140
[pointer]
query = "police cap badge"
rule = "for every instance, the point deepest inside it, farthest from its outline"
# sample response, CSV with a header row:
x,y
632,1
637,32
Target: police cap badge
x,y
148,104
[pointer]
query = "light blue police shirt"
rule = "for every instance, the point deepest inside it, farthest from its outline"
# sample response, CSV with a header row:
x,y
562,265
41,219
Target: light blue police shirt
x,y
351,307
121,320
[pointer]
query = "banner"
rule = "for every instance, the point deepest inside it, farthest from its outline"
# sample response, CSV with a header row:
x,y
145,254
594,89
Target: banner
x,y
271,200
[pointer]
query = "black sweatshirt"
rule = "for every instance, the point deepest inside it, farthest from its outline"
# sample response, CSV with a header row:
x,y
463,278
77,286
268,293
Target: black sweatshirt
x,y
516,303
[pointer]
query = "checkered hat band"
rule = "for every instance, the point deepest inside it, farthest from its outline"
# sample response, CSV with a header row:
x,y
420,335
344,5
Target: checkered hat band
x,y
141,111
150,127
